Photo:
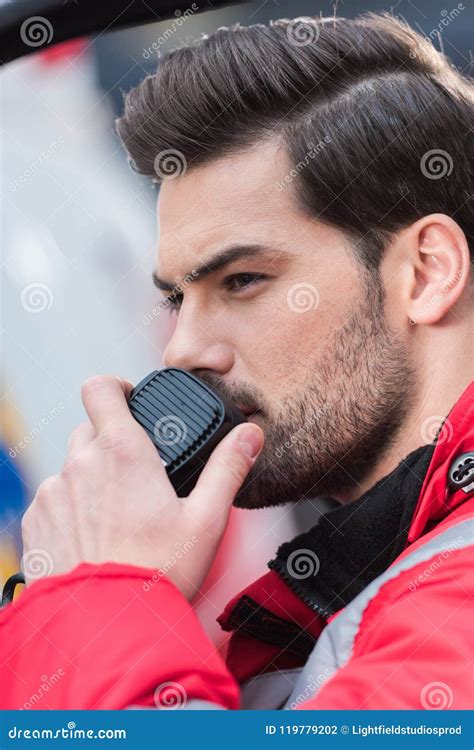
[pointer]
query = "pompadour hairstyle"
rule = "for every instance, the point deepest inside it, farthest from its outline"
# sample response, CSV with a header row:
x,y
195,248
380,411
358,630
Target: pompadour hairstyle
x,y
395,117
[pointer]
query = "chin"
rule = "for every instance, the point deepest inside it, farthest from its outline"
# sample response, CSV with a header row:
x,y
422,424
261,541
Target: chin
x,y
246,501
249,496
256,494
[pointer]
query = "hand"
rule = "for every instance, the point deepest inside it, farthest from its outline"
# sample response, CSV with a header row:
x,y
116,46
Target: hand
x,y
113,501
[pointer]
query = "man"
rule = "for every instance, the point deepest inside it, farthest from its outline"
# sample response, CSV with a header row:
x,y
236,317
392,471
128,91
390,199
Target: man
x,y
316,226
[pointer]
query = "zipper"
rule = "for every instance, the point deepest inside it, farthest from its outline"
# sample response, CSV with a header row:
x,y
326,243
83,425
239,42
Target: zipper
x,y
280,567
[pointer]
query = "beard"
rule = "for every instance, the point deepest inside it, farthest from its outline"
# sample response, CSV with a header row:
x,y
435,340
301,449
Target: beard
x,y
324,439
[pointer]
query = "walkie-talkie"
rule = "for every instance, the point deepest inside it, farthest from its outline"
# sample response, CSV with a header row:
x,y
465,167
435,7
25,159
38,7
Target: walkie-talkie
x,y
185,418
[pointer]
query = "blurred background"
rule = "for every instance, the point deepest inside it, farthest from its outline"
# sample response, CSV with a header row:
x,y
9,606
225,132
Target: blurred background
x,y
77,251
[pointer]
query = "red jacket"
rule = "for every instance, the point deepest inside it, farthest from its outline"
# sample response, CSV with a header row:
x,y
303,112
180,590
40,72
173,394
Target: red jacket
x,y
114,636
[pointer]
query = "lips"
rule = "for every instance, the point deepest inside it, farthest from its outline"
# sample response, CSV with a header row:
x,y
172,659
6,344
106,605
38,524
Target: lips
x,y
249,413
253,416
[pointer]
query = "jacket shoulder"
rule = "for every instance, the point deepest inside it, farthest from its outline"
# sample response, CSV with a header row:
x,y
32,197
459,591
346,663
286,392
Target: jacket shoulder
x,y
413,643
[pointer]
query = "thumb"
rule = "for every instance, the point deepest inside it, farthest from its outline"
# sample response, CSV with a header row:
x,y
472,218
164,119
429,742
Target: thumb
x,y
224,473
126,386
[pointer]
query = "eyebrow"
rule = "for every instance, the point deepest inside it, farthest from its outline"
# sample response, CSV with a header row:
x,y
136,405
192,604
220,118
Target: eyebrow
x,y
219,261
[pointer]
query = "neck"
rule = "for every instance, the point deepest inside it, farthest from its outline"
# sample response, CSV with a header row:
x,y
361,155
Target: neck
x,y
438,393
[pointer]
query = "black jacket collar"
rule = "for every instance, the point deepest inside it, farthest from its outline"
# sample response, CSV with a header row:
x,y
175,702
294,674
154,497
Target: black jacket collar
x,y
330,564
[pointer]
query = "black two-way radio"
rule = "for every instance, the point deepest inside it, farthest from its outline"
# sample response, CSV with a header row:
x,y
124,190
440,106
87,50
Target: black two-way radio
x,y
185,418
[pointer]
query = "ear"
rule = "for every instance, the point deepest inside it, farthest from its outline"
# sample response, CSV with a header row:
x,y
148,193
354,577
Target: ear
x,y
441,267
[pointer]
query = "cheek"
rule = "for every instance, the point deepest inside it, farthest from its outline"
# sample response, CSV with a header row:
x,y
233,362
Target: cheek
x,y
278,342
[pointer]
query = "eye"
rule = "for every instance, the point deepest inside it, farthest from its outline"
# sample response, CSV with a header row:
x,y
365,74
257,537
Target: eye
x,y
239,281
235,283
173,302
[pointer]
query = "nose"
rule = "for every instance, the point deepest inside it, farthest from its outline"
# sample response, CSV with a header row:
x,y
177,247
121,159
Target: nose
x,y
193,346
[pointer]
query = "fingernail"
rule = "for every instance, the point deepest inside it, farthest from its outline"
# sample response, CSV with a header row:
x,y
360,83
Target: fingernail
x,y
250,441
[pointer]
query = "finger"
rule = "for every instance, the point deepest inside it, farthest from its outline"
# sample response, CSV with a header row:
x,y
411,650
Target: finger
x,y
127,387
105,401
226,471
80,437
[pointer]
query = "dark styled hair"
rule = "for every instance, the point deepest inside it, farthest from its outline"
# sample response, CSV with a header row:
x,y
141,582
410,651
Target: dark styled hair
x,y
387,119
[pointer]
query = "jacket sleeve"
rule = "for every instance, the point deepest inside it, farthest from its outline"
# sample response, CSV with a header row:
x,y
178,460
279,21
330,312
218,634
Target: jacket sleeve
x,y
108,637
415,644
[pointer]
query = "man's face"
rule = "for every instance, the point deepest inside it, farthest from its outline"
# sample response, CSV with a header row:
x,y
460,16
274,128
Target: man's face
x,y
288,327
